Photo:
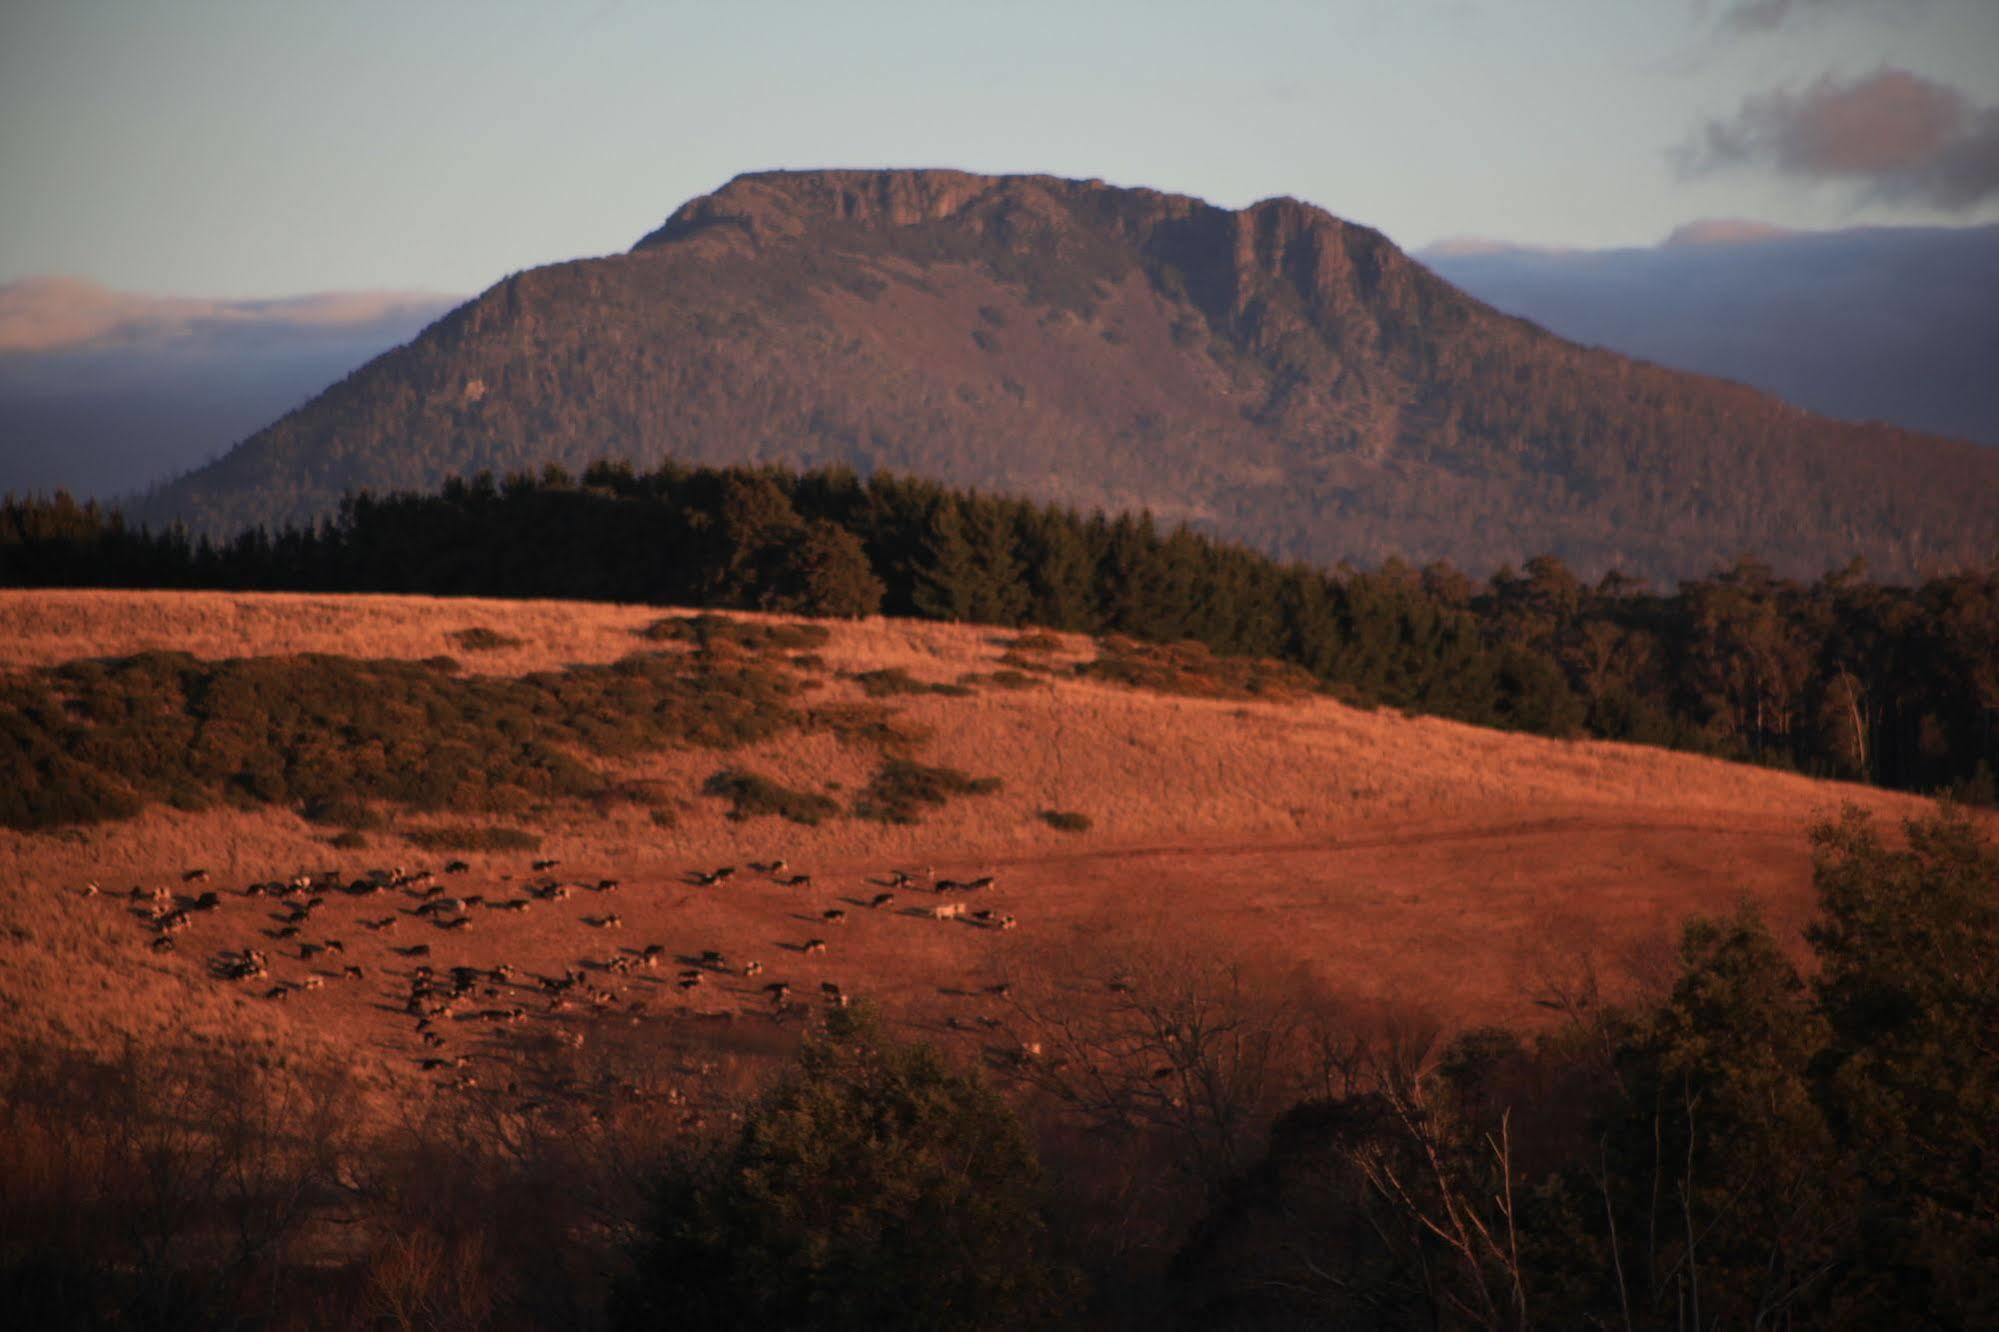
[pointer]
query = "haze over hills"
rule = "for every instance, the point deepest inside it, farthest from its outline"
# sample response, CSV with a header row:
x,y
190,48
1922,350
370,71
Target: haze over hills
x,y
1878,323
104,392
1273,374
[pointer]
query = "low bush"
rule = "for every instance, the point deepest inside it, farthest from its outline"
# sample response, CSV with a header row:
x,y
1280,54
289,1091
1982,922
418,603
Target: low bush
x,y
342,811
868,724
482,639
1000,679
892,681
751,795
901,788
96,740
708,630
1067,820
1189,668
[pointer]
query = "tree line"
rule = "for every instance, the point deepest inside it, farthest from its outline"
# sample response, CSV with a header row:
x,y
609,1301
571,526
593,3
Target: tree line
x,y
1839,677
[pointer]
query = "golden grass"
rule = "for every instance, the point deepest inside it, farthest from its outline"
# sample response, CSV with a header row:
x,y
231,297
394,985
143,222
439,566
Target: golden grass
x,y
1410,861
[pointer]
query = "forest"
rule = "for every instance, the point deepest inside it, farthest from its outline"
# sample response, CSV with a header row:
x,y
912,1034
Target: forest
x,y
1841,677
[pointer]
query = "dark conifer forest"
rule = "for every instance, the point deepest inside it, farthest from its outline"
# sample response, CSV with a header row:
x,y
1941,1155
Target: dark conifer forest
x,y
1840,677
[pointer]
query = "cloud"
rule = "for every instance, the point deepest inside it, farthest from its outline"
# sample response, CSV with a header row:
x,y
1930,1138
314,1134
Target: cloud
x,y
1770,15
1902,137
58,313
1725,231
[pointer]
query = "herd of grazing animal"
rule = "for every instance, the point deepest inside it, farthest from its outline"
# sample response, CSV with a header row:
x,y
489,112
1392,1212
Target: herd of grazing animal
x,y
443,1000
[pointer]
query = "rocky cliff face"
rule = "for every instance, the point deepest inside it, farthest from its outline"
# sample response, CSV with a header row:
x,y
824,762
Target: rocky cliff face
x,y
1272,374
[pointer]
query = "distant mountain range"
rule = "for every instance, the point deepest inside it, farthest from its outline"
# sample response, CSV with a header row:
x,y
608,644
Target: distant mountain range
x,y
103,392
1893,324
1273,374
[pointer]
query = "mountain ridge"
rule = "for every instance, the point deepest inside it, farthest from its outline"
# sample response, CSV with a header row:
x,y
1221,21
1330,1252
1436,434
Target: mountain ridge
x,y
1876,323
1305,385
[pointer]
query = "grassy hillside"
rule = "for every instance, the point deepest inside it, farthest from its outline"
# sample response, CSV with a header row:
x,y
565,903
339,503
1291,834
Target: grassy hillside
x,y
1362,846
1176,926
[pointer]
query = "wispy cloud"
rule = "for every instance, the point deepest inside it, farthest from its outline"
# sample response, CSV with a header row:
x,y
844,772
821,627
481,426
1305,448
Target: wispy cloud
x,y
54,313
1751,16
1899,136
1768,15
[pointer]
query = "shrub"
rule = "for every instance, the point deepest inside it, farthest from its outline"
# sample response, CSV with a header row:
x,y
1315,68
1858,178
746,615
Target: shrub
x,y
901,787
874,1188
1001,679
893,680
868,724
482,639
888,682
90,741
751,794
1066,820
710,630
1190,668
342,811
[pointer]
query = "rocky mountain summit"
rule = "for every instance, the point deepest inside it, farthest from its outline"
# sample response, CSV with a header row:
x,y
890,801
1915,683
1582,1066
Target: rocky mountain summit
x,y
1271,374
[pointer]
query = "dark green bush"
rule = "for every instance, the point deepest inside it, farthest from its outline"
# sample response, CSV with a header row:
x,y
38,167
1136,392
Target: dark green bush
x,y
902,787
751,795
482,639
1001,679
892,681
342,811
1191,668
875,1188
709,630
1067,820
90,741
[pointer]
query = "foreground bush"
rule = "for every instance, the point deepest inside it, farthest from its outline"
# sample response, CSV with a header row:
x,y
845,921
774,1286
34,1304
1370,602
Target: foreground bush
x,y
1749,1150
875,1188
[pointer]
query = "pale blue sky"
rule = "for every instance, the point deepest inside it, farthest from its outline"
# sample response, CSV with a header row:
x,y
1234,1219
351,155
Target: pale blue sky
x,y
251,149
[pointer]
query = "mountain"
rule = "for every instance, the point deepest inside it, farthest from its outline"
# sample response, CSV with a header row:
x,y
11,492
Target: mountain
x,y
104,392
1893,324
1272,374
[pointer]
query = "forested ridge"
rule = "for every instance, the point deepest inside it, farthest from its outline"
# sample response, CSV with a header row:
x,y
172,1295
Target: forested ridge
x,y
1272,375
1839,677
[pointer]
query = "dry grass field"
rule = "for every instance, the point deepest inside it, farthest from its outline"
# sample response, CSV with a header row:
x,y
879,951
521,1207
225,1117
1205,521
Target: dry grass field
x,y
1407,863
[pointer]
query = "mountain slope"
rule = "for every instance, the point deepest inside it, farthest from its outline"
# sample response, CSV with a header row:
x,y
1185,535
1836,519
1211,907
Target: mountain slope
x,y
1875,323
1272,374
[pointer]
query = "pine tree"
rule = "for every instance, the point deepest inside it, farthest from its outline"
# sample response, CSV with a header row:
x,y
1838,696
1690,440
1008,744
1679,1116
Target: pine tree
x,y
999,591
947,572
1059,570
